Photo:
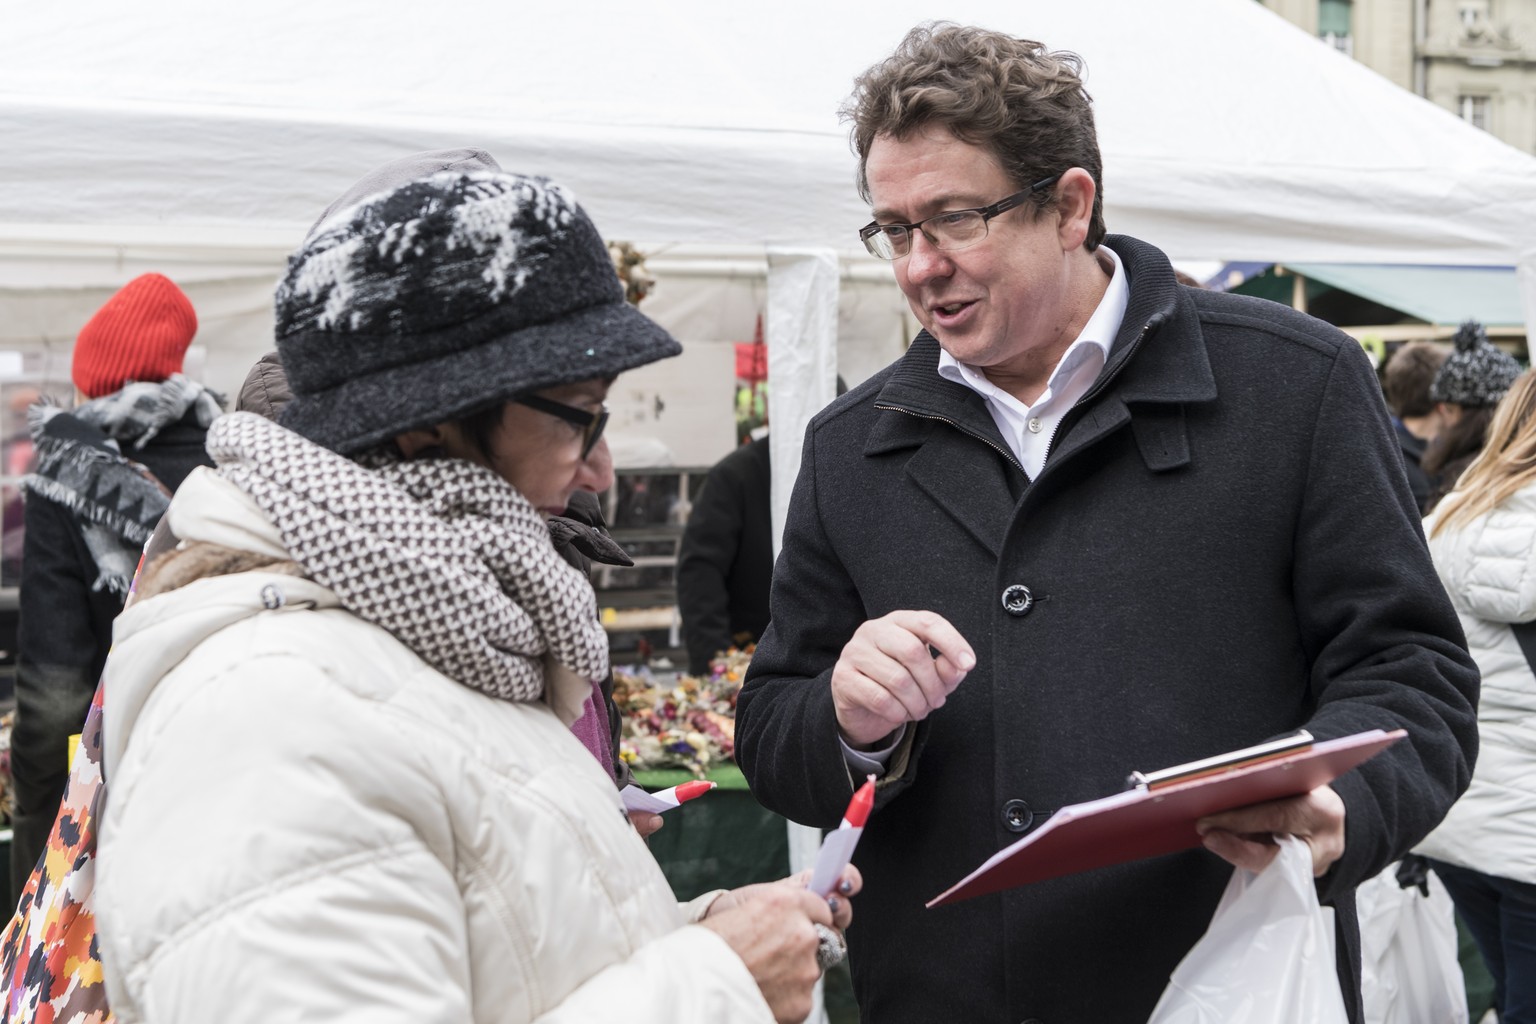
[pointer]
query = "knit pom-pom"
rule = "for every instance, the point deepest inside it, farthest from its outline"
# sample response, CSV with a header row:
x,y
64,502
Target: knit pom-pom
x,y
1469,335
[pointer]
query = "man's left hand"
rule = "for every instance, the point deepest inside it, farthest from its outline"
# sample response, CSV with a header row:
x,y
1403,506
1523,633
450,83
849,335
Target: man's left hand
x,y
1246,837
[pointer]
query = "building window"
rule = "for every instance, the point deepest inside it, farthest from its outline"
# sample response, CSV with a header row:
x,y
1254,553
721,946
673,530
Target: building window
x,y
1335,23
1473,110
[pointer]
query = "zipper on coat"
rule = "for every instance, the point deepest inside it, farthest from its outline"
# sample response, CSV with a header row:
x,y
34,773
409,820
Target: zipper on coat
x,y
1153,322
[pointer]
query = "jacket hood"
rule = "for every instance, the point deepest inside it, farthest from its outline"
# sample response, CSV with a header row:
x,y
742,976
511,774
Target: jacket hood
x,y
152,637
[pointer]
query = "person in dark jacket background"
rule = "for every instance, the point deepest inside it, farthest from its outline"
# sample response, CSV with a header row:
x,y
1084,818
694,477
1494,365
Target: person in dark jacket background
x,y
725,561
1077,530
104,475
1406,382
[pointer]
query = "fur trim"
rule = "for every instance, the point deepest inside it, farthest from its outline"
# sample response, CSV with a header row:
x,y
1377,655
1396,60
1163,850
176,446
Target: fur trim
x,y
196,560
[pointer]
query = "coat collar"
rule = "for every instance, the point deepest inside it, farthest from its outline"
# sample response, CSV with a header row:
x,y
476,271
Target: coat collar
x,y
1157,366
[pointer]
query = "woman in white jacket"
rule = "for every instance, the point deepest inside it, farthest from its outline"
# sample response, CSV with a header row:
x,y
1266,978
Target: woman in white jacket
x,y
1483,539
343,784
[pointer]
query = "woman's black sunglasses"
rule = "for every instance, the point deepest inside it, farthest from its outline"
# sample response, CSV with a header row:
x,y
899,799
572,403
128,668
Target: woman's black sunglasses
x,y
591,423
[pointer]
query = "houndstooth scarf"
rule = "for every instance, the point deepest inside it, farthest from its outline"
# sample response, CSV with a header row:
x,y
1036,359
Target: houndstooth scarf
x,y
442,553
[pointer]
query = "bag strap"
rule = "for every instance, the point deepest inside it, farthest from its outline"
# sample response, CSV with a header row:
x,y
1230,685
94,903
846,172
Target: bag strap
x,y
1525,632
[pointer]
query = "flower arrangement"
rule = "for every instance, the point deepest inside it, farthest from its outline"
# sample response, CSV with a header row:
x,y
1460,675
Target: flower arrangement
x,y
674,720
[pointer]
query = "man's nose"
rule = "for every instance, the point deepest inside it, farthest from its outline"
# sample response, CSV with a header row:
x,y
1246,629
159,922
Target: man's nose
x,y
925,260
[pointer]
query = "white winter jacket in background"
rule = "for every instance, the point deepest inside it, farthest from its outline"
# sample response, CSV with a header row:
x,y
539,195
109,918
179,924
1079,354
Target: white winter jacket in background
x,y
1489,569
306,822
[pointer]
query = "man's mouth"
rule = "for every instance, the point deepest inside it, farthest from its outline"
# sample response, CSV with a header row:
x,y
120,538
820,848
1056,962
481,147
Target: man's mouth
x,y
950,310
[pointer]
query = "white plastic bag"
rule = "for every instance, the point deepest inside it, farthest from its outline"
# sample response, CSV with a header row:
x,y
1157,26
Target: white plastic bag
x,y
1267,957
1409,970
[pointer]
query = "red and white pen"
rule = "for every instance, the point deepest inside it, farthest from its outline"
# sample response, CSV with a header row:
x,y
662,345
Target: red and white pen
x,y
837,848
637,799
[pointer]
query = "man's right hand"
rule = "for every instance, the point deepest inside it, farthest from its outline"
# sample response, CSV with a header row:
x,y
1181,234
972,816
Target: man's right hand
x,y
888,674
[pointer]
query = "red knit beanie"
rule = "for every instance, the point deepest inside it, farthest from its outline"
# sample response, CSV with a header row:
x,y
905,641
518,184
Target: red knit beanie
x,y
142,333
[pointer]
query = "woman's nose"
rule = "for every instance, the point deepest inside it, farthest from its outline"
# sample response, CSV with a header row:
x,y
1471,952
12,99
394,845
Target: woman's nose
x,y
596,472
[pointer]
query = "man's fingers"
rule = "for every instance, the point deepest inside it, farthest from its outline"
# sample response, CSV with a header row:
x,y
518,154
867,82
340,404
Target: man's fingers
x,y
887,689
953,653
1245,853
910,672
1242,836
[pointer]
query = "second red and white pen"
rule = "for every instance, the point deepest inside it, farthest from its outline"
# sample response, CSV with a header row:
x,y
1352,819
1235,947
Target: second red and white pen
x,y
837,848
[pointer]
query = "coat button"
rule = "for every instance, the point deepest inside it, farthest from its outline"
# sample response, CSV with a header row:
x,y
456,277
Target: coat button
x,y
1017,600
1017,817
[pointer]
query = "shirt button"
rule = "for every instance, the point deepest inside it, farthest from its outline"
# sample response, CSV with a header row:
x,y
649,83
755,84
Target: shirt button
x,y
1034,424
1017,600
1017,817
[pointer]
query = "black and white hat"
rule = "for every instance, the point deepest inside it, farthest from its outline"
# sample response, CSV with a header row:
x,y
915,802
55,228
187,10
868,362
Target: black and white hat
x,y
1477,373
446,295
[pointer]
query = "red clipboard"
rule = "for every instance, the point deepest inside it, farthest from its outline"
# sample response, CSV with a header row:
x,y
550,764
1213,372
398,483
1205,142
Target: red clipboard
x,y
1145,822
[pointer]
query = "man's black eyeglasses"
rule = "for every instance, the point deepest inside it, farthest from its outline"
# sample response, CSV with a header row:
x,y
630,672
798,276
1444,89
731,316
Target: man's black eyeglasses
x,y
952,229
591,423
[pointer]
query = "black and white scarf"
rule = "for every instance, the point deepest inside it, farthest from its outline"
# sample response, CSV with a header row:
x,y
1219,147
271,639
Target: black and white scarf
x,y
442,553
81,465
136,413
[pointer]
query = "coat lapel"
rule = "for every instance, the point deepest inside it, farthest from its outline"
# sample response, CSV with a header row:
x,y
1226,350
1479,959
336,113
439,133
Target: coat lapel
x,y
959,459
1157,367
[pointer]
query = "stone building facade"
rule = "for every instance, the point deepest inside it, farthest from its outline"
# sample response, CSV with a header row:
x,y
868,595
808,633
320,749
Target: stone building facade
x,y
1475,58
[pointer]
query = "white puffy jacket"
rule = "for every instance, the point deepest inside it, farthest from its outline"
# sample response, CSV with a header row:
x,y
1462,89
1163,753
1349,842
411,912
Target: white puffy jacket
x,y
1489,569
306,822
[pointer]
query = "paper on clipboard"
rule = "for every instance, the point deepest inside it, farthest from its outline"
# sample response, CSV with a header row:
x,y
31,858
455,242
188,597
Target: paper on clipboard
x,y
1143,823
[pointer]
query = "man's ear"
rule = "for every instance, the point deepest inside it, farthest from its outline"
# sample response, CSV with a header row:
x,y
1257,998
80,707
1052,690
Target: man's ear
x,y
414,442
1074,207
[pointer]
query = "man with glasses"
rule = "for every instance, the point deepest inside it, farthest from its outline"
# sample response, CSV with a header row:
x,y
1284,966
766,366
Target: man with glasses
x,y
1093,521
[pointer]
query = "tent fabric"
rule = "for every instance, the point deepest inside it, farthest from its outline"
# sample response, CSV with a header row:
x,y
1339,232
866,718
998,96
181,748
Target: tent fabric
x,y
174,135
1227,132
1436,295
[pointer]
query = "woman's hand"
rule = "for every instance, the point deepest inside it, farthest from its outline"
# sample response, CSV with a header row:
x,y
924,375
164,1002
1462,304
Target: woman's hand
x,y
645,823
772,927
837,903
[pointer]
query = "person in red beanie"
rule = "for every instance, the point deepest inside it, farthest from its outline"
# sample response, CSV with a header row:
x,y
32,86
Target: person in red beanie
x,y
105,473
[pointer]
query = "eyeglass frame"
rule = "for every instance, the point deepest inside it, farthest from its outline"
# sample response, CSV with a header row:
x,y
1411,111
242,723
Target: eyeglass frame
x,y
1003,205
591,423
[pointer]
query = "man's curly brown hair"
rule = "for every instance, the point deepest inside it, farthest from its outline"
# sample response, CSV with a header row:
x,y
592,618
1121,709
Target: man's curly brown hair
x,y
1014,97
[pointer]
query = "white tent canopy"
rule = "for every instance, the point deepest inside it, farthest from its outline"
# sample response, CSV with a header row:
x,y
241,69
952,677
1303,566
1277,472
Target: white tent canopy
x,y
1227,133
201,140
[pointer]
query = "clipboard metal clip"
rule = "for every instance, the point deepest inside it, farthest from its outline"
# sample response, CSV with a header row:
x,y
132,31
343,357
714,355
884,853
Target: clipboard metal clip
x,y
1257,754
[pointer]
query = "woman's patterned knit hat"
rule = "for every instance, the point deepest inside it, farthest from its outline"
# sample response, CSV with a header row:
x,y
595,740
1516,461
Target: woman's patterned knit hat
x,y
141,333
446,295
1477,374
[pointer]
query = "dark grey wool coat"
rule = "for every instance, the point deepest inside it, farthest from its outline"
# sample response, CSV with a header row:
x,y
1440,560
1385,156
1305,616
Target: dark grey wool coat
x,y
1221,548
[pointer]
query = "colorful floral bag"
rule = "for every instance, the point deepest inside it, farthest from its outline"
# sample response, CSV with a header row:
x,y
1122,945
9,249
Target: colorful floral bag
x,y
50,961
49,956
